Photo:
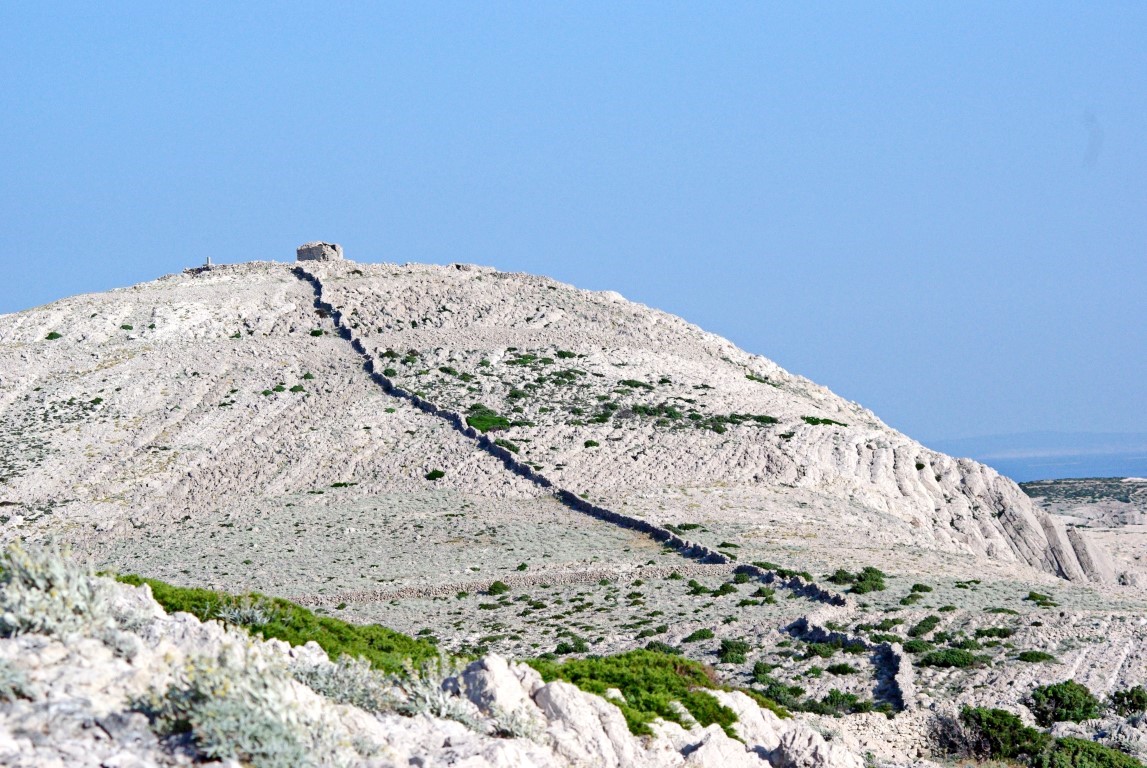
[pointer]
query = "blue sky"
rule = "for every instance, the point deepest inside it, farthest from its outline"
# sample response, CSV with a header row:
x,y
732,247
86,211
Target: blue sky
x,y
936,209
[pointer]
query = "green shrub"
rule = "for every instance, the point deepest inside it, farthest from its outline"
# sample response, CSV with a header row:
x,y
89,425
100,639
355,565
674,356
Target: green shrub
x,y
841,669
918,646
1063,702
869,580
485,419
297,388
317,332
1034,657
591,444
813,420
1130,701
1041,600
656,646
509,446
498,588
920,588
841,576
966,644
733,651
700,634
649,681
52,336
997,632
574,645
435,474
1080,753
999,734
724,589
384,648
820,650
924,626
952,657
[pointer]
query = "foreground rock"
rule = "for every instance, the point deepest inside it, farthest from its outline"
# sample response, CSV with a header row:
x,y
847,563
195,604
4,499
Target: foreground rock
x,y
97,696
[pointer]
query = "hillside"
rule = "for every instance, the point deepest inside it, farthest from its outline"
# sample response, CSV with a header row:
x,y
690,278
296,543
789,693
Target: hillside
x,y
501,462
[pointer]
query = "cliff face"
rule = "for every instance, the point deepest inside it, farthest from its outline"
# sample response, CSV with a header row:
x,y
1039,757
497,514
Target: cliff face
x,y
228,390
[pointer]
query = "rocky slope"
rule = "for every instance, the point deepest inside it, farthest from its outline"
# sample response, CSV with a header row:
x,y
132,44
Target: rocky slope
x,y
94,673
504,463
223,389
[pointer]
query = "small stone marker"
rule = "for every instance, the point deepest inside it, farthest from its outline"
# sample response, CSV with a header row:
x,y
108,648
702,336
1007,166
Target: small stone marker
x,y
319,252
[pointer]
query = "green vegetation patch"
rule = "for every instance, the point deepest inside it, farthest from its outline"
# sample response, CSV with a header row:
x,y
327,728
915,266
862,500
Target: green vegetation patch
x,y
924,626
950,658
815,421
1035,657
733,651
1001,735
281,619
484,419
650,682
1063,702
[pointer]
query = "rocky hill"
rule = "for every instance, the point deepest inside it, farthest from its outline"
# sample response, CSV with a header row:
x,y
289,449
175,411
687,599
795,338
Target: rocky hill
x,y
502,463
228,389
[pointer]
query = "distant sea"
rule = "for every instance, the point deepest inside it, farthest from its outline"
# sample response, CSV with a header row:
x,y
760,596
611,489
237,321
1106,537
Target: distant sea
x,y
1055,455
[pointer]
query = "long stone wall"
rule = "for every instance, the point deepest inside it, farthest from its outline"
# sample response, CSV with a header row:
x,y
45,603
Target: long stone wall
x,y
684,547
515,580
699,553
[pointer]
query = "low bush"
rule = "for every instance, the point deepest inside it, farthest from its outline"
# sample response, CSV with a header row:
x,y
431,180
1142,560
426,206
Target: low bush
x,y
918,646
998,632
733,651
920,588
384,648
1063,702
869,580
485,419
952,658
1000,735
1130,701
498,588
1041,600
700,634
435,474
52,336
841,669
1034,657
43,590
656,646
815,421
650,682
924,626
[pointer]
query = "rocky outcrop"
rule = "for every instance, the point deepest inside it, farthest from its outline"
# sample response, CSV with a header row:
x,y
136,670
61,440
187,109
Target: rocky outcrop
x,y
95,697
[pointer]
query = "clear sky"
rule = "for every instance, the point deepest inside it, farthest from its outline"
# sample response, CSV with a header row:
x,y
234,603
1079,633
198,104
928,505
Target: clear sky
x,y
936,209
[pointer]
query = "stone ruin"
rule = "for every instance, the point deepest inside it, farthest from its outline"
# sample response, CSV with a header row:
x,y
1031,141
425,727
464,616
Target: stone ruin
x,y
319,252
